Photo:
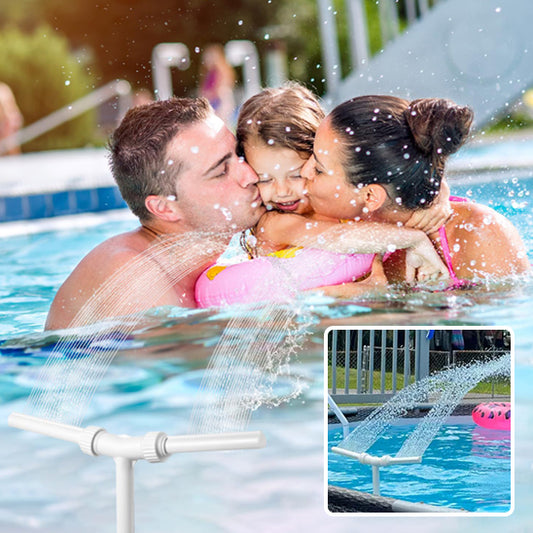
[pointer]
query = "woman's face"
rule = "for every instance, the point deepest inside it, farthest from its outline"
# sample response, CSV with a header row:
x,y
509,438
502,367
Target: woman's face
x,y
280,181
328,190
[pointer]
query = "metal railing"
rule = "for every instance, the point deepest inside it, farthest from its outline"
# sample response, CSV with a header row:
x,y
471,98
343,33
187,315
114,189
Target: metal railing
x,y
376,362
371,366
120,88
389,24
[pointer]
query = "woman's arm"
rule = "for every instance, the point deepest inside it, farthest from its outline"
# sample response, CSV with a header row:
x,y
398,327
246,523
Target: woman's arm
x,y
283,229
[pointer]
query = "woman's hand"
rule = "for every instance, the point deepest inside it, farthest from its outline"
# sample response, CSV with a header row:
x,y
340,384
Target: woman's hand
x,y
431,219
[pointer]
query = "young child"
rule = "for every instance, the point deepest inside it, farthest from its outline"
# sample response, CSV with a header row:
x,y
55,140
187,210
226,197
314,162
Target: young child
x,y
275,134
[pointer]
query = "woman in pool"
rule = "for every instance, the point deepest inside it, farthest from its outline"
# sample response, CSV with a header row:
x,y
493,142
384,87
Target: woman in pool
x,y
378,158
275,133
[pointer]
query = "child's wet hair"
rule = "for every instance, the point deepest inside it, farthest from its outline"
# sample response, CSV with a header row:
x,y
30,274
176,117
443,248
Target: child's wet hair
x,y
283,117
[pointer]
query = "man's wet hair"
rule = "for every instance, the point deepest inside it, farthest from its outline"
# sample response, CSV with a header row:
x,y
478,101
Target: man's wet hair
x,y
138,149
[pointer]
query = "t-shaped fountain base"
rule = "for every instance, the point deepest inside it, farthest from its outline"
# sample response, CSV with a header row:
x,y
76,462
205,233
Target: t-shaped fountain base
x,y
376,462
125,450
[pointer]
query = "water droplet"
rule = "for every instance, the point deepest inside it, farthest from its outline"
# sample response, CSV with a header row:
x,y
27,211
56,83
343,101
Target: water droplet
x,y
227,213
67,82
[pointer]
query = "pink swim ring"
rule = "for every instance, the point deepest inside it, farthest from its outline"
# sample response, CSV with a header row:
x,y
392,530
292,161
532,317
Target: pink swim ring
x,y
275,277
493,415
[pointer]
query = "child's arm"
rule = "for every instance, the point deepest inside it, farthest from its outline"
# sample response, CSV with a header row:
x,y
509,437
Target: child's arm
x,y
361,237
370,286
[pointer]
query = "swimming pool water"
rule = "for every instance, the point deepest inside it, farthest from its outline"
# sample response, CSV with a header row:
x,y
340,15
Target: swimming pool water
x,y
48,486
465,467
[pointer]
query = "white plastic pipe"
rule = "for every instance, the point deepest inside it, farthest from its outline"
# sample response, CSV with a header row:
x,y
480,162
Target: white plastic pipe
x,y
375,480
376,463
45,427
125,450
125,511
153,447
385,460
222,441
165,56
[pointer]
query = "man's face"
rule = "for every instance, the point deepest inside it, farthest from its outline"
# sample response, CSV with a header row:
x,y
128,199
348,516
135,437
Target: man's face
x,y
216,190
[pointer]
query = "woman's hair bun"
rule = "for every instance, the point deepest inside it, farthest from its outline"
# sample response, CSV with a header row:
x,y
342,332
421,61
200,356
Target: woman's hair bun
x,y
439,126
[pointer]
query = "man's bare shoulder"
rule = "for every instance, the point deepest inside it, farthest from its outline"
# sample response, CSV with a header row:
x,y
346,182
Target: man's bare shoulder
x,y
98,266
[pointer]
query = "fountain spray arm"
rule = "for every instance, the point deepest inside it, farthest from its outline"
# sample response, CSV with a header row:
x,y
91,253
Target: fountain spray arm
x,y
153,447
376,463
373,460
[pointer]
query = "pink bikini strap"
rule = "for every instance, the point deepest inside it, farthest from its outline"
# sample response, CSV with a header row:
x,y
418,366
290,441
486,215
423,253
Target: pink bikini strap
x,y
446,249
447,255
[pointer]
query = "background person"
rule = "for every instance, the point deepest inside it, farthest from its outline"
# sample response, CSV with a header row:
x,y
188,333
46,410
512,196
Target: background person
x,y
217,82
11,119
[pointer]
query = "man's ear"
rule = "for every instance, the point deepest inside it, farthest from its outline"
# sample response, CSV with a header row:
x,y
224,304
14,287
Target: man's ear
x,y
375,196
162,208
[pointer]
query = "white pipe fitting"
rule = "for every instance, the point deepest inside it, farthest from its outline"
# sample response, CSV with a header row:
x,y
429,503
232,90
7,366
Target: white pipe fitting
x,y
385,460
153,447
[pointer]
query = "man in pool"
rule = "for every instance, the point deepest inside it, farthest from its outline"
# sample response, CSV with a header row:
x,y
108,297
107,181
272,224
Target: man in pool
x,y
176,167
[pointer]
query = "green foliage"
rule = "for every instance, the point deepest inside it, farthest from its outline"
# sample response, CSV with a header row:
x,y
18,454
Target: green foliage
x,y
44,76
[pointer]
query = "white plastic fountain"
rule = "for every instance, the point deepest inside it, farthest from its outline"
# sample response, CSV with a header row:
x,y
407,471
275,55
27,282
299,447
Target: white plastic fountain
x,y
125,450
451,385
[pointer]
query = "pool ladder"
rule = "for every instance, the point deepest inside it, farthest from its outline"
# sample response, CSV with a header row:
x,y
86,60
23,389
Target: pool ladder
x,y
153,447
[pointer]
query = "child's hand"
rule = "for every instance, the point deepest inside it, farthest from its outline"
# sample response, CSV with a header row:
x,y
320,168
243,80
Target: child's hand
x,y
431,219
424,264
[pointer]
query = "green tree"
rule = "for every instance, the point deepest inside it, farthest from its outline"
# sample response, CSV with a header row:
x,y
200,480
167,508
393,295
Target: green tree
x,y
45,76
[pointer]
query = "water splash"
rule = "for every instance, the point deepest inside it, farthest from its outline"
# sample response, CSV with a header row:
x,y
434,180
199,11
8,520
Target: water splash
x,y
77,364
254,350
453,392
449,387
253,353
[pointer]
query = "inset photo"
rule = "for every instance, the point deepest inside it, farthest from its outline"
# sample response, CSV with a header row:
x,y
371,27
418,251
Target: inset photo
x,y
419,421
